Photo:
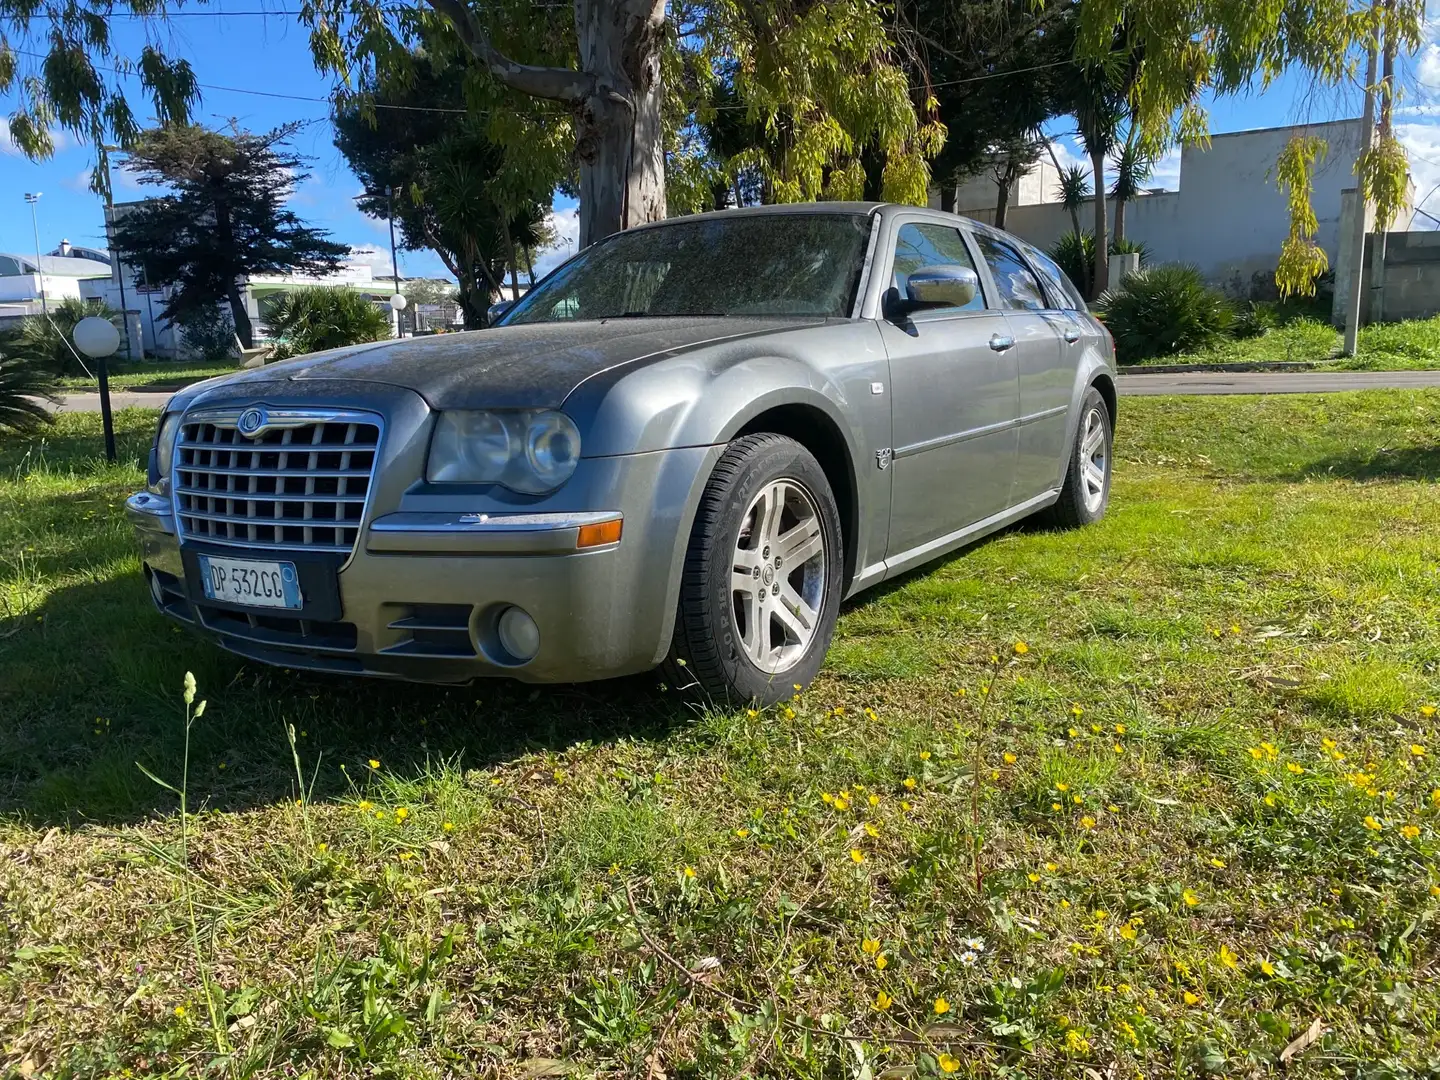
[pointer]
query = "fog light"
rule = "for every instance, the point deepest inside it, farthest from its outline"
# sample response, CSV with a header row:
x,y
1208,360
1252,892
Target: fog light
x,y
519,635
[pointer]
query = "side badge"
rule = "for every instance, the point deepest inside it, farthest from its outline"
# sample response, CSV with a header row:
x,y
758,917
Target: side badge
x,y
884,457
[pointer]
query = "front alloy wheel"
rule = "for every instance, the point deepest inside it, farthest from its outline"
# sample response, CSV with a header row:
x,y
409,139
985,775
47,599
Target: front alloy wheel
x,y
761,587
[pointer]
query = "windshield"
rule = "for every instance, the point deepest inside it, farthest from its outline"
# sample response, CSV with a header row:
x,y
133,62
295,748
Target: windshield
x,y
766,264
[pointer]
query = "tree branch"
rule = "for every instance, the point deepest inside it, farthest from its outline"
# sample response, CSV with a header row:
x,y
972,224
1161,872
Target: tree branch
x,y
553,83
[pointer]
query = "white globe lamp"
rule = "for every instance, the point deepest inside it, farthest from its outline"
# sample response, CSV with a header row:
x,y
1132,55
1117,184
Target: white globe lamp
x,y
398,302
96,337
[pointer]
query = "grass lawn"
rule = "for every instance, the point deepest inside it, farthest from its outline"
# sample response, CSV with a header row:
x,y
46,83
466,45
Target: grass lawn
x,y
145,374
1400,346
1208,809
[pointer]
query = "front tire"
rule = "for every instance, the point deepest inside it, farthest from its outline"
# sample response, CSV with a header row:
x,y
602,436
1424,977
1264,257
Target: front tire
x,y
1086,492
760,593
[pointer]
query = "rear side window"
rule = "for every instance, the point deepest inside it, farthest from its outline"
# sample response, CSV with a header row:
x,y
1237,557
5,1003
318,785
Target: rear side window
x,y
922,244
1062,289
1018,286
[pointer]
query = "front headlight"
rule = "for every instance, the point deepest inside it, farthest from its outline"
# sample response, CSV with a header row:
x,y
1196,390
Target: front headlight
x,y
162,454
527,451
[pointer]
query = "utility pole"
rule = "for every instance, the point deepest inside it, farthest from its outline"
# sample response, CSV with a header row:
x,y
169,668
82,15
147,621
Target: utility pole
x,y
115,255
32,198
1361,206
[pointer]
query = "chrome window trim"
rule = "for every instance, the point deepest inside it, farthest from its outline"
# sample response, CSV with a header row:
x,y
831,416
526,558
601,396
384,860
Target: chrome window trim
x,y
292,417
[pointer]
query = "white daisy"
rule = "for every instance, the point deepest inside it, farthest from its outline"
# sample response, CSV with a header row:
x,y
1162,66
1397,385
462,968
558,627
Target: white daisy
x,y
968,958
975,944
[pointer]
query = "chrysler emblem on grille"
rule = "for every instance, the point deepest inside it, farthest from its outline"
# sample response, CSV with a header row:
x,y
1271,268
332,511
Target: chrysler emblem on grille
x,y
251,421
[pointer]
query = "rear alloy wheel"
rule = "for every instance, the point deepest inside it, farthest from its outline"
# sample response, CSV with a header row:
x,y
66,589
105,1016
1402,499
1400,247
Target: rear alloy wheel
x,y
761,589
1086,492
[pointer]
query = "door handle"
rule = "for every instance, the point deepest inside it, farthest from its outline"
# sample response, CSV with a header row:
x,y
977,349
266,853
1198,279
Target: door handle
x,y
1072,335
1001,342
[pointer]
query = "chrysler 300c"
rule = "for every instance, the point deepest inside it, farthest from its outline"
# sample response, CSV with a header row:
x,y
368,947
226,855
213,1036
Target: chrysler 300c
x,y
685,446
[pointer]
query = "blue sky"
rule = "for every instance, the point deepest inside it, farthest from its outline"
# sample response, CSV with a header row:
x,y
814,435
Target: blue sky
x,y
271,54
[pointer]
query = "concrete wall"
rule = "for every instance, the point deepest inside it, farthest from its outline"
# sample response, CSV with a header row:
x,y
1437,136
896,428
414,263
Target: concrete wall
x,y
1408,285
1228,217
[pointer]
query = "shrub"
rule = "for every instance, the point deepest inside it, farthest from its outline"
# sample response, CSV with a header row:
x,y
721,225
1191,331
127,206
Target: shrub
x,y
1076,255
1162,310
1256,318
49,343
209,333
22,382
309,320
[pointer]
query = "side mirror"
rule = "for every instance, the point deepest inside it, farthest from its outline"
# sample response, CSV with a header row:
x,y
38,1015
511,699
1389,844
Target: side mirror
x,y
496,311
940,286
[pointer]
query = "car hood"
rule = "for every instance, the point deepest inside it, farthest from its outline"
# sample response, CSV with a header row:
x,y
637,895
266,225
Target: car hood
x,y
532,366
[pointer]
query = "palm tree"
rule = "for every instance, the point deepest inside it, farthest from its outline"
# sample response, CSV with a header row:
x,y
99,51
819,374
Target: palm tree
x,y
1133,166
1074,190
25,385
49,342
324,317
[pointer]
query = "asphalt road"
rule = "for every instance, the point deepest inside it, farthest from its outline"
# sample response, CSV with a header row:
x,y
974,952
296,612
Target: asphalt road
x,y
1196,382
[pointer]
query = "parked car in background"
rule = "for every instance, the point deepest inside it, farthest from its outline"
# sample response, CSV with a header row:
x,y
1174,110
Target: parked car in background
x,y
685,446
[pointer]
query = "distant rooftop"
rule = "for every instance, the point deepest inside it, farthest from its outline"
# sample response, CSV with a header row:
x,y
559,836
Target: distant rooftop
x,y
13,265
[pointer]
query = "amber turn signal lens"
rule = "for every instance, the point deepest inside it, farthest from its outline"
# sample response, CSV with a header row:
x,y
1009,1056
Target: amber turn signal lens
x,y
599,534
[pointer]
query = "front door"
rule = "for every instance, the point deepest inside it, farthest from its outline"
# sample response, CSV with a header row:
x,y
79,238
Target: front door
x,y
954,396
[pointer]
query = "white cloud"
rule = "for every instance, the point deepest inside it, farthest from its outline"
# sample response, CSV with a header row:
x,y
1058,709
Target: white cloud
x,y
1422,144
1427,69
60,139
566,224
374,256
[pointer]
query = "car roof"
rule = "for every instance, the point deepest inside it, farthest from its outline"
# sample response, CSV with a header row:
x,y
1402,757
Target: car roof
x,y
859,209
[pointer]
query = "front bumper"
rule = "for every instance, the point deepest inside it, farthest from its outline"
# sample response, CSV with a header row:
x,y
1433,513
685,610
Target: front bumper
x,y
420,596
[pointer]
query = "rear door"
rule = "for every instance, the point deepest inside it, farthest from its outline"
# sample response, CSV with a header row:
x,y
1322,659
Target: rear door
x,y
1044,367
953,400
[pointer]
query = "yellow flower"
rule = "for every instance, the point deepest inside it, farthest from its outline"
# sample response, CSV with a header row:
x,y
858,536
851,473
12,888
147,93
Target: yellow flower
x,y
881,962
1087,822
401,814
949,1063
1372,824
1054,806
373,763
1119,729
909,783
1427,710
1009,758
1435,890
1052,867
689,871
1064,903
1328,743
869,946
789,713
366,804
1270,751
1269,800
180,1011
1095,729
1118,748
1417,749
1410,832
1296,769
1074,734
941,1006
1062,787
1076,799
924,755
379,815
1191,999
742,832
856,855
905,806
883,1001
752,713
1228,958
826,797
1256,753
1190,898
1267,968
558,776
447,826
871,830
1219,864
873,800
1076,1043
1128,931
1033,877
1076,710
1021,648
1234,629
406,855
842,804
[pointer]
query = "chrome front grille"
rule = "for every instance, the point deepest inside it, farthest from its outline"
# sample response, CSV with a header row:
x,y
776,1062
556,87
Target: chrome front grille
x,y
286,478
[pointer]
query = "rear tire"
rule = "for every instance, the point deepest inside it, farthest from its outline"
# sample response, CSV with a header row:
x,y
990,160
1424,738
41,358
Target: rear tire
x,y
760,592
1086,492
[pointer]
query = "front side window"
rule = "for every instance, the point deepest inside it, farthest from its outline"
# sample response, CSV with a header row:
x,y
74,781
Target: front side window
x,y
1018,287
922,244
762,264
1062,289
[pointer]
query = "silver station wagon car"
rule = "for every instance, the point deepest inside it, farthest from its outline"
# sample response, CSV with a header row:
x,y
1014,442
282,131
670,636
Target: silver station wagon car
x,y
683,447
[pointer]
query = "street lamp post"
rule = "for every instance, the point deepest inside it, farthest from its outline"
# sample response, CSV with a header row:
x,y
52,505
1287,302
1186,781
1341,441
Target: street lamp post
x,y
32,198
98,339
115,255
395,266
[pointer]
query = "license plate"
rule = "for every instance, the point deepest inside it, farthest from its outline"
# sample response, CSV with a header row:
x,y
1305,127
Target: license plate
x,y
254,584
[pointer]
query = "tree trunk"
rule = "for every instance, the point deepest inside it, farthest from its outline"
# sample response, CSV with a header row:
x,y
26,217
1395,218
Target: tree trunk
x,y
1100,280
1120,220
514,262
240,317
619,144
530,265
474,301
1002,202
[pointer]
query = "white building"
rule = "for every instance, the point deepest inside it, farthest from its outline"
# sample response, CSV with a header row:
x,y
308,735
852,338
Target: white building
x,y
1229,216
